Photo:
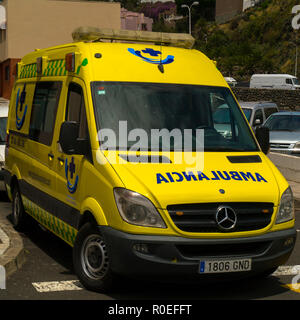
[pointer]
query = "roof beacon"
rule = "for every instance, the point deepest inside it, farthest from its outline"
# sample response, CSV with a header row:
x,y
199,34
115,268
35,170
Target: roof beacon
x,y
181,40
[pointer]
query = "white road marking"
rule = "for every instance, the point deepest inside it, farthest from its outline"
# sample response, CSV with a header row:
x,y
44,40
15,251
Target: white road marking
x,y
54,286
71,285
4,242
287,271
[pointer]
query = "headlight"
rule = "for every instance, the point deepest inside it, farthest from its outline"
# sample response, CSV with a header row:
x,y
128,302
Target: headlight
x,y
137,209
297,147
286,208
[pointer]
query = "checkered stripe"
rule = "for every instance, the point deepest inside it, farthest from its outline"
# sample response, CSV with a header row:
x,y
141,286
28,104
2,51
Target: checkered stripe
x,y
57,226
28,71
55,68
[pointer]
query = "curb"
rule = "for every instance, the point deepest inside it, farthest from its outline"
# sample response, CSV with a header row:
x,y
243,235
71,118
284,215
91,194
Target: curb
x,y
14,256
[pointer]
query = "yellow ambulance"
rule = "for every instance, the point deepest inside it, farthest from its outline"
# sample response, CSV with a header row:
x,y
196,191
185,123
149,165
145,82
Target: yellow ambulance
x,y
131,147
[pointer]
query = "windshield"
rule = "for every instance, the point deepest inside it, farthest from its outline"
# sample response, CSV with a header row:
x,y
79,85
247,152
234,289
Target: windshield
x,y
149,106
283,123
247,113
3,122
296,81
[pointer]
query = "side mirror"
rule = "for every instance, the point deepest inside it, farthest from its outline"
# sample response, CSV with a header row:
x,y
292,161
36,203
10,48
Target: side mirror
x,y
68,139
263,137
257,122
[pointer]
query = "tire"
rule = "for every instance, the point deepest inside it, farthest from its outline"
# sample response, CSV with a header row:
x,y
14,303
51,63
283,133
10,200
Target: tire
x,y
91,260
19,216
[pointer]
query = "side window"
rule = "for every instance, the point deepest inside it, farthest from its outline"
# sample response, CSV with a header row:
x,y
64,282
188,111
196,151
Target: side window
x,y
269,111
44,108
258,117
76,109
289,81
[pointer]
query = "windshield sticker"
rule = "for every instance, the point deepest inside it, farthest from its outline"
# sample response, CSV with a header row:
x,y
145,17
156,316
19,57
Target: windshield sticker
x,y
152,53
101,91
20,120
214,175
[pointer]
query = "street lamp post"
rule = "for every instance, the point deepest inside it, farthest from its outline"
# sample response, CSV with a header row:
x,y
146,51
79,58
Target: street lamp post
x,y
195,3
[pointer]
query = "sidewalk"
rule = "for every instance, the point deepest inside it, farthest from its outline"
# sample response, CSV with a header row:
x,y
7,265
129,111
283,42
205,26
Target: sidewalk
x,y
12,254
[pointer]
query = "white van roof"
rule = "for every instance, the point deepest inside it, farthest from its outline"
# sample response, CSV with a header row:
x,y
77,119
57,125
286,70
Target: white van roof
x,y
273,75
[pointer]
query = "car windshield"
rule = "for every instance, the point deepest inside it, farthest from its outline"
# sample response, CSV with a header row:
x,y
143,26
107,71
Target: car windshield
x,y
149,106
296,81
247,113
3,122
283,123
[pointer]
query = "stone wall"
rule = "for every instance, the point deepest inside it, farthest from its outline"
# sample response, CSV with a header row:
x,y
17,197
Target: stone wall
x,y
285,99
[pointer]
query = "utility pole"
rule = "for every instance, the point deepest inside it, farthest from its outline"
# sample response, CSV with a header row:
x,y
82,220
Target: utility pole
x,y
296,58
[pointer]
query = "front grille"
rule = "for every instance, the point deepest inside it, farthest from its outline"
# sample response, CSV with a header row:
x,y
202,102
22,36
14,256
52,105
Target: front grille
x,y
280,145
202,217
224,250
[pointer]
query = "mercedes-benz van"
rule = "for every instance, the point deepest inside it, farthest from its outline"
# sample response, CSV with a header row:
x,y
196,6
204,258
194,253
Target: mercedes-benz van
x,y
115,149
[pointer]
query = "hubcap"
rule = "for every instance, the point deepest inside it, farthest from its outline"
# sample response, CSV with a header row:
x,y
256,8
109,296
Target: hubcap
x,y
16,211
94,258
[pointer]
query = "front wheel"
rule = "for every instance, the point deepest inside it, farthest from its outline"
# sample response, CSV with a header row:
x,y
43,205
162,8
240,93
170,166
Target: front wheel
x,y
91,260
19,216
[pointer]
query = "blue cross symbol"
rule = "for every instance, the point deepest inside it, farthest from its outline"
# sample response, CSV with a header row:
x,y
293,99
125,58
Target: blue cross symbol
x,y
153,53
72,167
23,97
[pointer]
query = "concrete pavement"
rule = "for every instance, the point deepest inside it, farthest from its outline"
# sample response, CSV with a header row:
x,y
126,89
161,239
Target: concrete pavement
x,y
12,254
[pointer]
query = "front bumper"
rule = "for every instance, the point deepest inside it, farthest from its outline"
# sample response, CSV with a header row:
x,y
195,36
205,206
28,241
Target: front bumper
x,y
287,150
170,256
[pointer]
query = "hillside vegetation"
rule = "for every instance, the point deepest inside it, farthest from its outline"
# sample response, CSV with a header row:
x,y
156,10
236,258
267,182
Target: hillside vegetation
x,y
259,40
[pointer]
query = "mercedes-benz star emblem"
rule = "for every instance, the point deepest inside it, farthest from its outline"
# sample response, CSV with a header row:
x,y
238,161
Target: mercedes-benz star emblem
x,y
226,218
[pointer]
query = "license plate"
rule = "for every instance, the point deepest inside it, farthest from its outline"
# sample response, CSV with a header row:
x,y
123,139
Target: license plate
x,y
222,266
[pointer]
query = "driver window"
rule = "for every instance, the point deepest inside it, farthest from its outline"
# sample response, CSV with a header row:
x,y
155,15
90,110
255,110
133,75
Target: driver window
x,y
76,109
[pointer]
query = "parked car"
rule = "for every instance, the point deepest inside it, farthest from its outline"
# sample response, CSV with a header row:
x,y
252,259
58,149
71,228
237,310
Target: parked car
x,y
284,132
274,81
258,112
231,81
3,123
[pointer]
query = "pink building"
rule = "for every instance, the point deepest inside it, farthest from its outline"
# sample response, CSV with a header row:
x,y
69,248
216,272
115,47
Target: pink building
x,y
135,21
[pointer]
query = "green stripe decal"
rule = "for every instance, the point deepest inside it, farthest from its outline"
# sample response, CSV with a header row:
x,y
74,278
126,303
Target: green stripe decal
x,y
48,220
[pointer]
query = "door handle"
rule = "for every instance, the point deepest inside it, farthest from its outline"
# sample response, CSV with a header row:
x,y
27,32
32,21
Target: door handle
x,y
50,156
61,160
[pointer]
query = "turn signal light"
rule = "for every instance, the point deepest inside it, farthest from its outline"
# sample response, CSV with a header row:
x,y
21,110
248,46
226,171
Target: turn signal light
x,y
70,62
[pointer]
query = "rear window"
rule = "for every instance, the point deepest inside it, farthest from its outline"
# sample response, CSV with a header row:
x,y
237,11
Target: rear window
x,y
283,123
269,111
44,107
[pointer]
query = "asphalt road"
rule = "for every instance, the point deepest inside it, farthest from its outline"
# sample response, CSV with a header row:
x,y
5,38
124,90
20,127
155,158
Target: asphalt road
x,y
49,259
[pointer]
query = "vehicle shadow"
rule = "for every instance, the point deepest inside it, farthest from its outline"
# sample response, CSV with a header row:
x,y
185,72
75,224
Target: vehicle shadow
x,y
245,289
47,242
150,289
